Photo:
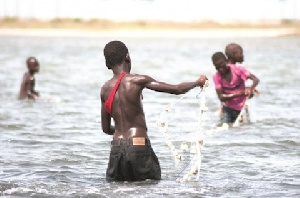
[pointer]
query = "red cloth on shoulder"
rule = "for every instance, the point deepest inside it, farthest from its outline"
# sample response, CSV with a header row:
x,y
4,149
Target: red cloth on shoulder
x,y
110,99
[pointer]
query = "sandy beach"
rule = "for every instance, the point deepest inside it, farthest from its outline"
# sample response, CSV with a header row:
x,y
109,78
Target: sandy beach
x,y
107,28
209,33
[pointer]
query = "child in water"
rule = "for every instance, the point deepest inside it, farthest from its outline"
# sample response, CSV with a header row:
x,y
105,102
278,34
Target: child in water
x,y
28,82
230,81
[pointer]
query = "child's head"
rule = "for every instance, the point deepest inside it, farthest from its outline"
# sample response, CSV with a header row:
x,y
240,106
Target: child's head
x,y
234,52
32,64
220,62
115,52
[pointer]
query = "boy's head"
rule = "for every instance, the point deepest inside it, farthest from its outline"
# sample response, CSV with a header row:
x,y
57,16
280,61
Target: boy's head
x,y
115,52
234,52
220,62
32,64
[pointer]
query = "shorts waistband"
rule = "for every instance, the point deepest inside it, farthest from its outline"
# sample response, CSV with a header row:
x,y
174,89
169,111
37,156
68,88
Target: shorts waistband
x,y
134,141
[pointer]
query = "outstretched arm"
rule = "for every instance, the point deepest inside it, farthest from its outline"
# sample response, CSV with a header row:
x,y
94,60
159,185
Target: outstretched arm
x,y
177,89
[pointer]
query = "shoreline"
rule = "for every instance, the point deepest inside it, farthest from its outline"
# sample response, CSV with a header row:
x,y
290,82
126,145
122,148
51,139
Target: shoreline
x,y
139,32
108,28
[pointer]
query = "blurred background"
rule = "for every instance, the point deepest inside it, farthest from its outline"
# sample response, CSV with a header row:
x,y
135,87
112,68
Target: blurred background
x,y
221,11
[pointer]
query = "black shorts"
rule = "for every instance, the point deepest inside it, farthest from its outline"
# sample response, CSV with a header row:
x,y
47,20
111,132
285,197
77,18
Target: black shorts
x,y
229,115
128,162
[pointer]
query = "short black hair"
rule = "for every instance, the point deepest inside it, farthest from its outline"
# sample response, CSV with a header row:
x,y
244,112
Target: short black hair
x,y
231,48
114,53
217,56
31,59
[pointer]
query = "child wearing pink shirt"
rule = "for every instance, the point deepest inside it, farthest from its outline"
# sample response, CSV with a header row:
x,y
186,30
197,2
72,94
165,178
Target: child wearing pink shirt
x,y
235,87
229,83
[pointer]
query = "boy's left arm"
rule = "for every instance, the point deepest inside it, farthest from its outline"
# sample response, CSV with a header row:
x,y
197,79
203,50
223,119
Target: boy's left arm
x,y
252,89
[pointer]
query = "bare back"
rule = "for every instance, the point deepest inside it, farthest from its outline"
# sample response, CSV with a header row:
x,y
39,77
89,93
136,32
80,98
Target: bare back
x,y
127,110
27,86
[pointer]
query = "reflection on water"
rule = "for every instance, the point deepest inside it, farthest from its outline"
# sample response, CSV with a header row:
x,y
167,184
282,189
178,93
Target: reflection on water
x,y
55,147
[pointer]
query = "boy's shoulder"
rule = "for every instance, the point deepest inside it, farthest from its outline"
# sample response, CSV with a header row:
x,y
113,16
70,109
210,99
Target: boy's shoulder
x,y
28,76
237,67
239,70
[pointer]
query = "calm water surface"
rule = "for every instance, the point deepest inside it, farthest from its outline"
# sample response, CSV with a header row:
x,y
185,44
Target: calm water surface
x,y
54,147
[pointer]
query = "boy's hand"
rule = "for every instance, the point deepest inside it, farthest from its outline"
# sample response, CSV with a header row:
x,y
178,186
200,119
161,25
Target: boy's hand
x,y
33,96
202,80
250,92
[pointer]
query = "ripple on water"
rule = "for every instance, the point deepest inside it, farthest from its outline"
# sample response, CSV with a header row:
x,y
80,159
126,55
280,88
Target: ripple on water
x,y
53,148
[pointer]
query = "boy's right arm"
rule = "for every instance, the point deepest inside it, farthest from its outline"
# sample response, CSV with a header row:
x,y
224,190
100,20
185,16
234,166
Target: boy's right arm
x,y
180,88
223,97
105,117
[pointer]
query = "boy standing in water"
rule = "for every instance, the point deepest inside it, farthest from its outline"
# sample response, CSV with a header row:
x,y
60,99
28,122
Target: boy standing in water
x,y
230,81
28,82
132,157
